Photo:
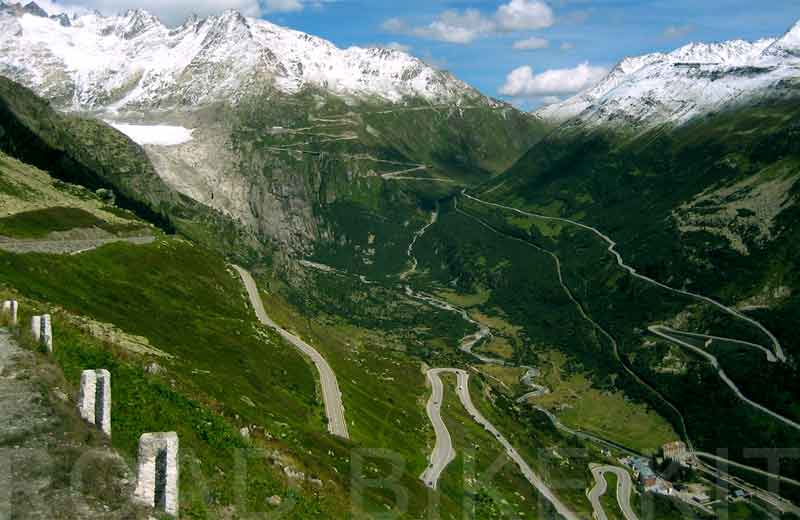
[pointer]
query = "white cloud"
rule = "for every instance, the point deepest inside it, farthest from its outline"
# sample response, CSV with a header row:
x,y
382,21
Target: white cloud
x,y
531,44
522,15
464,27
397,46
567,46
550,100
522,82
451,26
677,31
282,6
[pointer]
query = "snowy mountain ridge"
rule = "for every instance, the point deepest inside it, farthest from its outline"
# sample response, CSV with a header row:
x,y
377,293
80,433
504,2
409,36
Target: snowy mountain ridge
x,y
675,87
132,61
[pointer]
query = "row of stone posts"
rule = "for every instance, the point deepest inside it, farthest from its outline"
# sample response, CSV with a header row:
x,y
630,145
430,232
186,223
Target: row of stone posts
x,y
157,475
157,478
41,326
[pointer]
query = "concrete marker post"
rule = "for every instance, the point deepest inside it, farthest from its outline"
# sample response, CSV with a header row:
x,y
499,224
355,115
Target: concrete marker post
x,y
11,307
157,481
46,335
94,402
36,328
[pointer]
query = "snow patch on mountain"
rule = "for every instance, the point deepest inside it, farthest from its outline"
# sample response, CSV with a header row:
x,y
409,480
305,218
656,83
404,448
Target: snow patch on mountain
x,y
160,135
675,87
134,61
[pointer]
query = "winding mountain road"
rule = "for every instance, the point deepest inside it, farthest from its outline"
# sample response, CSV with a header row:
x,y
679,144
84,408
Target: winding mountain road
x,y
669,335
776,354
599,328
444,453
331,395
612,248
710,339
624,489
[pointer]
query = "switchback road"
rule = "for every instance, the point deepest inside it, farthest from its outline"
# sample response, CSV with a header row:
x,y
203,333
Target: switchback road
x,y
624,489
670,335
612,248
443,453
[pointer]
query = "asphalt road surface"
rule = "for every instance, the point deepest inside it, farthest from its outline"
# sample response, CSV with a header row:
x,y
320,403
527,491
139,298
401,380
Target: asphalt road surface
x,y
624,489
612,248
443,453
331,395
668,334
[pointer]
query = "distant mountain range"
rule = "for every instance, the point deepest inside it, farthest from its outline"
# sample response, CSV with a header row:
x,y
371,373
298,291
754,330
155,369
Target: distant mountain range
x,y
92,61
269,126
693,80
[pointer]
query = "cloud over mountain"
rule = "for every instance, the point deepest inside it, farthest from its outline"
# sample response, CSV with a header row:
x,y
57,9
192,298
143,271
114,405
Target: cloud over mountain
x,y
522,82
462,27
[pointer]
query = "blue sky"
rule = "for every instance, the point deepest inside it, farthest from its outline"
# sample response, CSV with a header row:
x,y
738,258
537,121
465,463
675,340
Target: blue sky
x,y
578,40
599,32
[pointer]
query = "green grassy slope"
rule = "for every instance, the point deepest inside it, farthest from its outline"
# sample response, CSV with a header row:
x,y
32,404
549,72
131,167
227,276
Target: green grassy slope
x,y
710,207
605,180
90,153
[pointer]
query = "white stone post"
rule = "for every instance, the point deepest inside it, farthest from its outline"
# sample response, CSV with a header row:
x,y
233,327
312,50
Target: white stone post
x,y
36,328
94,403
46,334
157,484
11,307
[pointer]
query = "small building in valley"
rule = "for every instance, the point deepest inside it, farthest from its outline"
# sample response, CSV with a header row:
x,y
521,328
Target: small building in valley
x,y
674,451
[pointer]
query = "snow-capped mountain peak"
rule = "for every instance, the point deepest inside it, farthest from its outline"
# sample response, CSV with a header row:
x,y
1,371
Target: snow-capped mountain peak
x,y
674,87
133,60
788,45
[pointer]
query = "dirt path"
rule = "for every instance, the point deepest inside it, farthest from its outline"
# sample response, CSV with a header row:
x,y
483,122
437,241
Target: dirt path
x,y
66,247
39,452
